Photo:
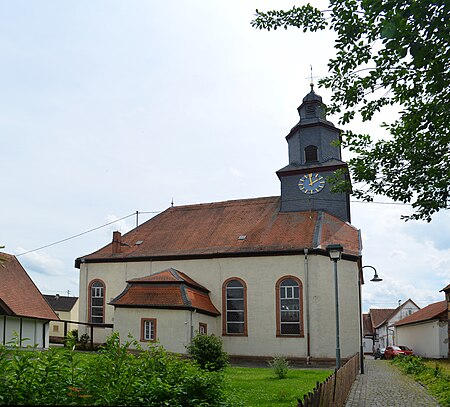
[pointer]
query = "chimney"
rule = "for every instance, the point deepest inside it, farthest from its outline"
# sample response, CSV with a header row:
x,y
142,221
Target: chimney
x,y
116,242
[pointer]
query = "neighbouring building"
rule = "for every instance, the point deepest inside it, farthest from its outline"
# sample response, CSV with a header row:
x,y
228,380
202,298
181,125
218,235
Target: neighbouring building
x,y
66,308
446,291
253,271
425,331
378,325
24,314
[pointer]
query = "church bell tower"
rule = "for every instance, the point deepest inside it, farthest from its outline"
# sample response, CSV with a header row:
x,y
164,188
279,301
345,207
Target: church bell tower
x,y
313,157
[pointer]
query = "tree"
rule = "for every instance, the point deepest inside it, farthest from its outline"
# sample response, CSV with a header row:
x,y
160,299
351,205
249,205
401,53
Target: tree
x,y
389,53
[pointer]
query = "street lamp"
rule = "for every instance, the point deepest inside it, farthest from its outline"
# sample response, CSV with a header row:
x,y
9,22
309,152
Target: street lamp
x,y
335,251
375,279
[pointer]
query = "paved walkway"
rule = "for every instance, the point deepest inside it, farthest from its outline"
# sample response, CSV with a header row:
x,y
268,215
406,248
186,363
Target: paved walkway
x,y
382,385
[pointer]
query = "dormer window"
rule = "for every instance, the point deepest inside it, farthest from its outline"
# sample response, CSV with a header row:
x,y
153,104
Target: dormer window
x,y
311,154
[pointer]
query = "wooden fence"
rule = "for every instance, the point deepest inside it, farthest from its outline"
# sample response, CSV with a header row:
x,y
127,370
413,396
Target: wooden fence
x,y
334,391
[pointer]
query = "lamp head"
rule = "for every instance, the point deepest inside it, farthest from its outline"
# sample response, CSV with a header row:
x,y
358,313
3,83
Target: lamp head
x,y
376,279
335,251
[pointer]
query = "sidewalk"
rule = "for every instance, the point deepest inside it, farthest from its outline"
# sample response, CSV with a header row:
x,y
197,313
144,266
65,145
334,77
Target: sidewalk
x,y
383,385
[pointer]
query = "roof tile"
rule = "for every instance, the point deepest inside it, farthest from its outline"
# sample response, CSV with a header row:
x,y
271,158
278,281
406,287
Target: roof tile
x,y
19,294
433,311
215,228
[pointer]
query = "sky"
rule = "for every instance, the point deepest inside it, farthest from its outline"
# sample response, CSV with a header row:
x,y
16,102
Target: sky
x,y
112,107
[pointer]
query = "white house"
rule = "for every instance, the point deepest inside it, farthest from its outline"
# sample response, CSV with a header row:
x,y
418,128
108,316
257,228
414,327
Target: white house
x,y
23,310
425,331
254,271
379,323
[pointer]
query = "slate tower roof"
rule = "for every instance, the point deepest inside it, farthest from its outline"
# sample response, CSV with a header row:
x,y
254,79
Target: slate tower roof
x,y
314,156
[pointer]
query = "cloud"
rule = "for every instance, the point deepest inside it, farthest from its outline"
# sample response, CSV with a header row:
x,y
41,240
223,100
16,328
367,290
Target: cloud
x,y
41,263
235,172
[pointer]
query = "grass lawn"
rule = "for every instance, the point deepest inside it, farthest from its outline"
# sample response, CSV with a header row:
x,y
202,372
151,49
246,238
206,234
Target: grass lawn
x,y
260,387
443,363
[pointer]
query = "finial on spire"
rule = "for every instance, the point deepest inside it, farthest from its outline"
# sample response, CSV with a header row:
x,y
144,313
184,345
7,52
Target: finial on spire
x,y
312,82
171,204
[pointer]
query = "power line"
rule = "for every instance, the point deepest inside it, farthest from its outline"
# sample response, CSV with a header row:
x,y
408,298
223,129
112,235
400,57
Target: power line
x,y
155,212
80,234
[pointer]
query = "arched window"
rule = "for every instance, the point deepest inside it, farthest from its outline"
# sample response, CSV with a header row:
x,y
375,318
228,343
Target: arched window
x,y
234,303
311,154
97,301
289,297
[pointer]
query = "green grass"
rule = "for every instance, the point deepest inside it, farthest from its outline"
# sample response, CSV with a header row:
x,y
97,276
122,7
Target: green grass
x,y
260,387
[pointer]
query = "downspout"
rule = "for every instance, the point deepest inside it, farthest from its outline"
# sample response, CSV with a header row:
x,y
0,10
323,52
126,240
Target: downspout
x,y
308,343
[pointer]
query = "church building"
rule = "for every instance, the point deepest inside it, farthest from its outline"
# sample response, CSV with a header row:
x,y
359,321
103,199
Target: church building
x,y
255,272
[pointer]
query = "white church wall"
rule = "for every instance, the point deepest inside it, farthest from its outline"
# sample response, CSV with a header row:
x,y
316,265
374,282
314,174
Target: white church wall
x,y
260,275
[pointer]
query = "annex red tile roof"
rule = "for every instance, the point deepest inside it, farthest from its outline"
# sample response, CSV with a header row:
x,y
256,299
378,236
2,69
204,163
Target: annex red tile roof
x,y
19,296
167,289
436,310
214,229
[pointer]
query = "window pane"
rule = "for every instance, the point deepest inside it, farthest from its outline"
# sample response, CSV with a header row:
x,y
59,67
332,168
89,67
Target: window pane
x,y
235,293
235,316
97,311
290,329
97,302
290,305
235,305
235,328
290,316
234,283
289,282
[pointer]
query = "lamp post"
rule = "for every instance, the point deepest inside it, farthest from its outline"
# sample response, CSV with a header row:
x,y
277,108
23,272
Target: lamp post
x,y
375,279
335,251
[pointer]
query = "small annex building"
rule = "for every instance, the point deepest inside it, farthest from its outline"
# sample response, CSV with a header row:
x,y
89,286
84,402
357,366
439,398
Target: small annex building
x,y
23,310
254,272
66,308
425,331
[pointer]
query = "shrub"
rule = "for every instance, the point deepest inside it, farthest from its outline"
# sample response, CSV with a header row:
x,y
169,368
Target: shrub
x,y
280,366
207,351
114,376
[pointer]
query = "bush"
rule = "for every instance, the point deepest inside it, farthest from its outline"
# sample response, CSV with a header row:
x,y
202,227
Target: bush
x,y
280,366
113,377
207,351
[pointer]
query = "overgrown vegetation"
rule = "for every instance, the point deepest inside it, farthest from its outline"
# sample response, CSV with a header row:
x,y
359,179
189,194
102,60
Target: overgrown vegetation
x,y
280,366
207,351
433,376
114,376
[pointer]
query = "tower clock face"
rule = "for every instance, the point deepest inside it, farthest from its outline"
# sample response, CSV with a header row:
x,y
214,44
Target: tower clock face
x,y
311,183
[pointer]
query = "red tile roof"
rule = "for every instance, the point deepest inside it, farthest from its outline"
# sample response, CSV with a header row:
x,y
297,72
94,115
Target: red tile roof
x,y
437,310
19,296
167,289
214,229
379,315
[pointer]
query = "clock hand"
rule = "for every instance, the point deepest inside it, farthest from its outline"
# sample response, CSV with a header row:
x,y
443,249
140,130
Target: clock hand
x,y
310,179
